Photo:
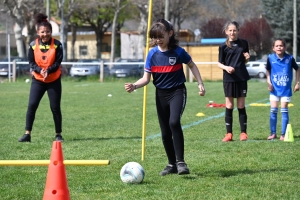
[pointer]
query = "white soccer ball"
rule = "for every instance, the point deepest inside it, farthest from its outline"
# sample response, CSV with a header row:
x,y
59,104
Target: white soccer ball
x,y
27,80
132,172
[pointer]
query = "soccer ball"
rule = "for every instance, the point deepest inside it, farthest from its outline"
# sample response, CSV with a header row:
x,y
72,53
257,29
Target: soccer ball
x,y
27,80
132,172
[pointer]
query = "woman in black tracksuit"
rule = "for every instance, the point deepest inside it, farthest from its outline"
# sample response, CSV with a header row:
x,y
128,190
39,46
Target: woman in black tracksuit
x,y
45,55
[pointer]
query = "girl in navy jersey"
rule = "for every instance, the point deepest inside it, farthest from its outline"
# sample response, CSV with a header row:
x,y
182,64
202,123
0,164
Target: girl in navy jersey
x,y
233,55
165,63
280,67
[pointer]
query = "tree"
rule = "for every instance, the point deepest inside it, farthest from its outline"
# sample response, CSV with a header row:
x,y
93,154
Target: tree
x,y
179,10
259,35
142,7
22,13
278,15
182,10
213,28
236,9
98,15
65,10
256,31
118,5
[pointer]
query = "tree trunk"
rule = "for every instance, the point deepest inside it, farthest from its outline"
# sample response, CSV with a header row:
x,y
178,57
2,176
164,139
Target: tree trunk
x,y
74,29
99,36
19,40
65,41
143,26
113,32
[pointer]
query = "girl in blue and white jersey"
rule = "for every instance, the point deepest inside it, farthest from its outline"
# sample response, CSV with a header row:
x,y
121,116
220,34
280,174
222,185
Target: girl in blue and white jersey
x,y
280,67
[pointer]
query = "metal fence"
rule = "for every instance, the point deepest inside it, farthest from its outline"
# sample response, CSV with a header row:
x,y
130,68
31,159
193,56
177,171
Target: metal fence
x,y
12,69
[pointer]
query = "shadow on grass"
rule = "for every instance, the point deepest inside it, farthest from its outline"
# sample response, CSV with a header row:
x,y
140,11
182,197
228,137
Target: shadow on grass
x,y
112,138
189,177
265,139
229,173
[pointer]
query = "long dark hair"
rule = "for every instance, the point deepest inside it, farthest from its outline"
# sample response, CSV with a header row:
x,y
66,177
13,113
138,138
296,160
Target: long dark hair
x,y
157,31
41,20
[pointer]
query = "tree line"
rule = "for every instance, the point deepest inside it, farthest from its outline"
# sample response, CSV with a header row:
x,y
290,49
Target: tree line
x,y
260,20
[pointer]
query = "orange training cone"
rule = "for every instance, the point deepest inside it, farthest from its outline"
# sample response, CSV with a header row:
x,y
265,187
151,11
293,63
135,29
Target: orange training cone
x,y
289,136
56,184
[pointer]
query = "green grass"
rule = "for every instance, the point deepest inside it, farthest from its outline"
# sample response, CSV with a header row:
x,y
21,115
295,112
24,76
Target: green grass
x,y
98,127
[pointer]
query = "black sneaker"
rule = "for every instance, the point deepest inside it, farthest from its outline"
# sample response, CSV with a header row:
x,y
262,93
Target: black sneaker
x,y
170,169
59,138
182,168
25,138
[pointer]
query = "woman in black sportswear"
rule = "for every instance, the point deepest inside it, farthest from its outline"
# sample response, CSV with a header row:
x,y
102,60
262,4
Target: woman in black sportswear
x,y
45,55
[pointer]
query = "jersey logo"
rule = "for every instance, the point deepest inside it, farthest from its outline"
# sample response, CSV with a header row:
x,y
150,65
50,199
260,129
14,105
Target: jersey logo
x,y
281,79
172,60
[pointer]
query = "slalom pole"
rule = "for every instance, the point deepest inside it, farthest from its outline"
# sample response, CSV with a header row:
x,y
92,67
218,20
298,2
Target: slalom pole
x,y
145,87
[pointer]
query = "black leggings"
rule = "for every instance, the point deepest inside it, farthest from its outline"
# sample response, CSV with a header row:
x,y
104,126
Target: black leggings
x,y
170,105
37,91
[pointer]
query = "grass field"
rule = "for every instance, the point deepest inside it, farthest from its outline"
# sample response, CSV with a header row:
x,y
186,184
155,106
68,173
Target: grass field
x,y
98,127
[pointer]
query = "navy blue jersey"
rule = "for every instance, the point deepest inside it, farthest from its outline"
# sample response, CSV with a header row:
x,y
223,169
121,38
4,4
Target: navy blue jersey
x,y
281,74
234,57
167,67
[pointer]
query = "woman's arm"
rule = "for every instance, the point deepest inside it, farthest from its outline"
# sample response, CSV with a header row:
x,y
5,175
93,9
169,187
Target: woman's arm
x,y
33,66
58,58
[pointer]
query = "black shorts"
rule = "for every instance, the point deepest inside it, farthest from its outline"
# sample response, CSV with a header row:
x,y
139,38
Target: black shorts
x,y
235,89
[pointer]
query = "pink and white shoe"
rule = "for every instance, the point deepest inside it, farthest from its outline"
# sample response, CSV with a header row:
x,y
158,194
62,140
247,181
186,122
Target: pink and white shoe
x,y
281,137
272,136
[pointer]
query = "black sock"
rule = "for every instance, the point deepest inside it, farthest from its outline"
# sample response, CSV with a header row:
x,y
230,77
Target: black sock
x,y
243,119
228,120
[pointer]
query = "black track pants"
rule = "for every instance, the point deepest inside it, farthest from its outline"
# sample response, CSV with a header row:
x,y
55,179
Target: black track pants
x,y
170,105
37,91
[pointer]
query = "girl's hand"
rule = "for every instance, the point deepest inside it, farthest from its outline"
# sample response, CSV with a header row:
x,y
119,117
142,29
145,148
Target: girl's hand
x,y
129,87
202,89
270,87
247,56
230,70
44,73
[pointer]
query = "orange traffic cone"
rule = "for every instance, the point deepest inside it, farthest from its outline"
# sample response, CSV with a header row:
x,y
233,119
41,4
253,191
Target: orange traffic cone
x,y
56,185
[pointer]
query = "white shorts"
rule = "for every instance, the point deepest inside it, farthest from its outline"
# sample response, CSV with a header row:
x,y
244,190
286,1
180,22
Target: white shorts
x,y
281,99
